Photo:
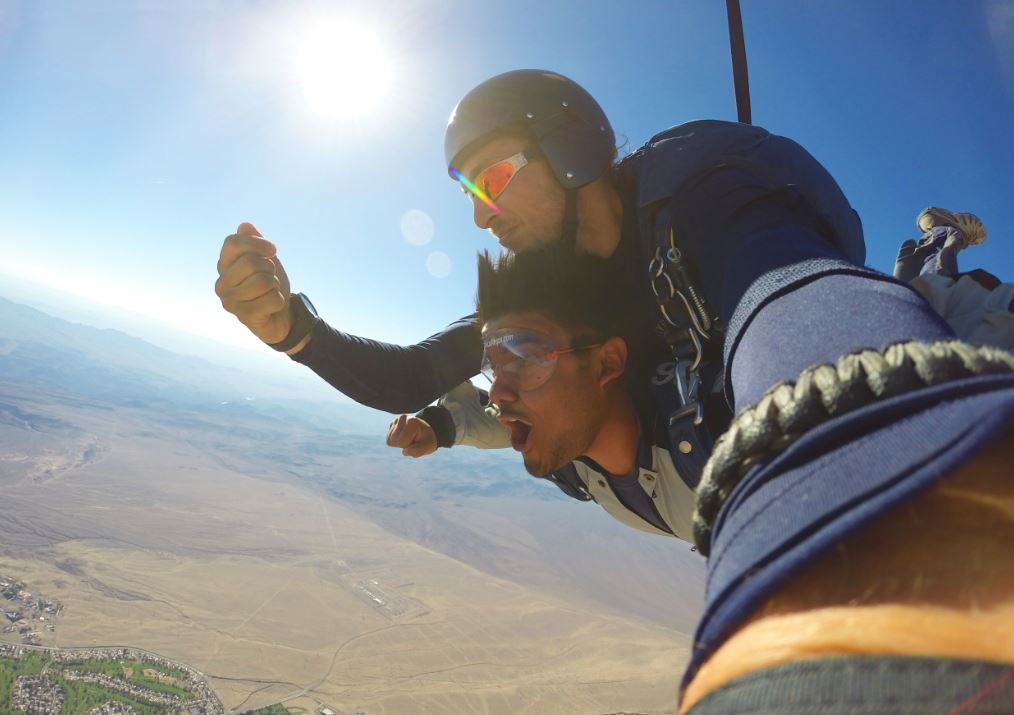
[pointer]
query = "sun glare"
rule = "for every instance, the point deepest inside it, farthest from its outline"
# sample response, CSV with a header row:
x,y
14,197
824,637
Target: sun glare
x,y
343,69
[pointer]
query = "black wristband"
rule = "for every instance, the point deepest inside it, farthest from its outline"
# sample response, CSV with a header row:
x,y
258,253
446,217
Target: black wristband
x,y
439,418
304,319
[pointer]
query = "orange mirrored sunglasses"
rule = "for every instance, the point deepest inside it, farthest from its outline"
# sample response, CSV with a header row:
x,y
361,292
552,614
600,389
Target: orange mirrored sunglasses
x,y
493,180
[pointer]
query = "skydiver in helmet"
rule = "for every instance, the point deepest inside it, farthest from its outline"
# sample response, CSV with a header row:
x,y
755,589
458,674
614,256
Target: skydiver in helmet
x,y
751,266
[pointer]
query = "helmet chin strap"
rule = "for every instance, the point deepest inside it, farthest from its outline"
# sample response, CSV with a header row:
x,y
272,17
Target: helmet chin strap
x,y
570,219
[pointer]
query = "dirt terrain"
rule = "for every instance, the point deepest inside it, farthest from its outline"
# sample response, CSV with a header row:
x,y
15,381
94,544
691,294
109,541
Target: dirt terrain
x,y
290,563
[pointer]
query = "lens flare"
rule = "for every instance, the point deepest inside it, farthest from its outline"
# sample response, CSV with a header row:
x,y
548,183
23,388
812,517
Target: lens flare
x,y
475,190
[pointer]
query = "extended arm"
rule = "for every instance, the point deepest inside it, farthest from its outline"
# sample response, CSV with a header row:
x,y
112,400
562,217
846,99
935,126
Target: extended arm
x,y
465,408
927,586
394,378
792,293
459,417
254,286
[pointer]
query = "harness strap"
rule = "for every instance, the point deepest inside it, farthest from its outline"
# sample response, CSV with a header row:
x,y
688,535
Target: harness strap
x,y
570,482
686,326
690,442
740,76
570,219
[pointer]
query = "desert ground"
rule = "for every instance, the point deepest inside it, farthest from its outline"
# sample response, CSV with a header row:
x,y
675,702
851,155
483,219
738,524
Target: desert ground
x,y
349,578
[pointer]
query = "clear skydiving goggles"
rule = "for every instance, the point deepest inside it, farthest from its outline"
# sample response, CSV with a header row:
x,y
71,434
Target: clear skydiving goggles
x,y
526,359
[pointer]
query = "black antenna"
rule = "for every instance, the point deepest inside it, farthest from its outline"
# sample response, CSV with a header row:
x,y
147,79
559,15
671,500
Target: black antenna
x,y
739,74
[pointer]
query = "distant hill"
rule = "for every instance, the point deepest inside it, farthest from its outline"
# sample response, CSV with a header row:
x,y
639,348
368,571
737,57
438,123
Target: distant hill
x,y
212,404
118,370
39,349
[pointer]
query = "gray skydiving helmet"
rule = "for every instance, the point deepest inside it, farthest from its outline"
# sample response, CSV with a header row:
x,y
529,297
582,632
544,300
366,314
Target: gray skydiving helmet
x,y
568,125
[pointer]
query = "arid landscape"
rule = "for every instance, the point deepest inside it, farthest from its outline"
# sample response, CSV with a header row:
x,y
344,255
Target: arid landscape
x,y
292,558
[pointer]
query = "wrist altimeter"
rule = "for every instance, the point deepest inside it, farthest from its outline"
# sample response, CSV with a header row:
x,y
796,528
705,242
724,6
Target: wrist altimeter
x,y
304,318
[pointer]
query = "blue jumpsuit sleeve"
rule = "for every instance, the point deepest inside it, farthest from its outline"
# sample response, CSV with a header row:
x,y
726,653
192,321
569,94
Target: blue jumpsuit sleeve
x,y
752,241
790,293
394,378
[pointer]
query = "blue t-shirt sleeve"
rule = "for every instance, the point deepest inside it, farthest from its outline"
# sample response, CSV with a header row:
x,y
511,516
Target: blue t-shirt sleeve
x,y
394,378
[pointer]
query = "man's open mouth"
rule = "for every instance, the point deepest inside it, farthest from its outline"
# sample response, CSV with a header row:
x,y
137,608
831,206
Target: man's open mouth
x,y
520,431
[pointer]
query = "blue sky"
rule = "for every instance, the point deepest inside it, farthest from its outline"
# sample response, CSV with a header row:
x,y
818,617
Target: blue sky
x,y
134,136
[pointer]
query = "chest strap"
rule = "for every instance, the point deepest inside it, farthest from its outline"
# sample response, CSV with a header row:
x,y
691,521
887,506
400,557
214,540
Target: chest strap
x,y
688,329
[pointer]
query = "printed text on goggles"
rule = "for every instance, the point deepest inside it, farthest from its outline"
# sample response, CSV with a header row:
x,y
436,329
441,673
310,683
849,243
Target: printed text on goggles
x,y
525,358
492,181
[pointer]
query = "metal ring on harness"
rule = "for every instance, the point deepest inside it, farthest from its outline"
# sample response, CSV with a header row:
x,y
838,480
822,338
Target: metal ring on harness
x,y
697,331
656,264
669,278
693,316
675,258
698,350
657,268
672,287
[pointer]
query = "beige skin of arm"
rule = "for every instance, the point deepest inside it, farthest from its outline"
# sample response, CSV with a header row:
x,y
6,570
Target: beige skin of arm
x,y
253,286
934,577
413,435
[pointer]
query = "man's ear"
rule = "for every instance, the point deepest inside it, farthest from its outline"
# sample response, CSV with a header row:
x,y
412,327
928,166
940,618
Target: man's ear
x,y
613,360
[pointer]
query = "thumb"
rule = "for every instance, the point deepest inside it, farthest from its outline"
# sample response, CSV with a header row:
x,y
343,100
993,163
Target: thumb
x,y
247,229
416,450
394,431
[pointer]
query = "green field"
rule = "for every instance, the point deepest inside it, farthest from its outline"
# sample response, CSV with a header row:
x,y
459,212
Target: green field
x,y
115,668
82,697
11,669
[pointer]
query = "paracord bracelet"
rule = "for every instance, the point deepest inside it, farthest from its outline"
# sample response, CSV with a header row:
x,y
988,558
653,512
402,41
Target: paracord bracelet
x,y
790,409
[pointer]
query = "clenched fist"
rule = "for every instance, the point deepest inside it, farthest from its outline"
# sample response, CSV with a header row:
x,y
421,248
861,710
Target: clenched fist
x,y
413,434
252,284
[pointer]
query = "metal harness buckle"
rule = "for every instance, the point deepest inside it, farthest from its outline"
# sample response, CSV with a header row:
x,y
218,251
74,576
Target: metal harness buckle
x,y
687,325
688,384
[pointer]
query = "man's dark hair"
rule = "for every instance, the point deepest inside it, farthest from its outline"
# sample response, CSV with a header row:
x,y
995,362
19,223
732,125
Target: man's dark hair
x,y
579,291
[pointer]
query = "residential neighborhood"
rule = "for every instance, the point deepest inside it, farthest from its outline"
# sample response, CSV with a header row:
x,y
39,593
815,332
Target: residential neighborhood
x,y
122,680
98,680
28,614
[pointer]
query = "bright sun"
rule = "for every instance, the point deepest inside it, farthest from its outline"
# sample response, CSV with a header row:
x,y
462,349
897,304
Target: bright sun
x,y
343,69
